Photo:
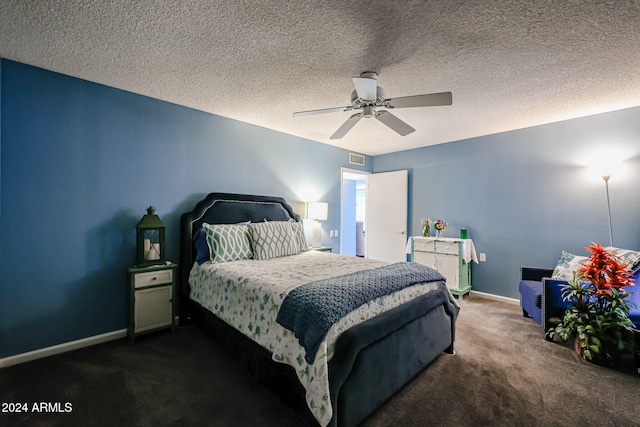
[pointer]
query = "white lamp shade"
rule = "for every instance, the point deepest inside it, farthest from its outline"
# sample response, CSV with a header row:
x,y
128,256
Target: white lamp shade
x,y
317,210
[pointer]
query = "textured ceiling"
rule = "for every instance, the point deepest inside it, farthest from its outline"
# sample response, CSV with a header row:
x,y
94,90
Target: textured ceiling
x,y
509,64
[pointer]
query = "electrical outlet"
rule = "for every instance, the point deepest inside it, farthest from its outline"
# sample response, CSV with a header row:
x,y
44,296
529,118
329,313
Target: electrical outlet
x,y
483,257
331,233
335,233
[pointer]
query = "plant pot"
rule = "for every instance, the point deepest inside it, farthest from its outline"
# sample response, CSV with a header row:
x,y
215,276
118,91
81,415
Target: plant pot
x,y
577,346
607,357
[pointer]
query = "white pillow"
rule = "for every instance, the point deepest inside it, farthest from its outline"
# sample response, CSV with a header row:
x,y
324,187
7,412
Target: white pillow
x,y
300,235
567,265
627,256
272,239
228,242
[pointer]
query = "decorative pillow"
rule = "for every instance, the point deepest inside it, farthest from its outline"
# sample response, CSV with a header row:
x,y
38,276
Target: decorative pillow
x,y
627,256
567,265
200,244
228,242
300,235
272,239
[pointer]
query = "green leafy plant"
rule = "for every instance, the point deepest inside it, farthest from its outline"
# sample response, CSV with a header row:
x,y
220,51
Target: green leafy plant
x,y
599,316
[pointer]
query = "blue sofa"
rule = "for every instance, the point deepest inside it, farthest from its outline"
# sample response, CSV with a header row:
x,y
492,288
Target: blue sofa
x,y
541,296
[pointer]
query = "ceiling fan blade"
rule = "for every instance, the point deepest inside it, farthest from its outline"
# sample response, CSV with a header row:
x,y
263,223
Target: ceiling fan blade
x,y
322,111
428,100
394,123
366,88
346,126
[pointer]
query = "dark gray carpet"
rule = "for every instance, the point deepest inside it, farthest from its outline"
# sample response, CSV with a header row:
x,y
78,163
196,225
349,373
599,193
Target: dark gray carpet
x,y
503,374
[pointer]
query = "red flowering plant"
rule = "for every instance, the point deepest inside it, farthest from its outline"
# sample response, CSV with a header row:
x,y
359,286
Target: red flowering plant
x,y
599,316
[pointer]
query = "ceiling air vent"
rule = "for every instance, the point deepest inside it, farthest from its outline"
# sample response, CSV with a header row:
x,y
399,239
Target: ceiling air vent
x,y
356,159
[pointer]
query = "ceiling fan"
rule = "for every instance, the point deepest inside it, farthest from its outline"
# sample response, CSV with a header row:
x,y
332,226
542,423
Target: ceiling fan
x,y
368,96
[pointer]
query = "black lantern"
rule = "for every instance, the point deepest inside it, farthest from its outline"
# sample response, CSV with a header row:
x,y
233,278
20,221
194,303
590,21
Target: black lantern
x,y
150,239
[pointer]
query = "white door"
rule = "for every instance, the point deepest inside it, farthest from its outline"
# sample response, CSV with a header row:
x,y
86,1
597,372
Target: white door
x,y
386,207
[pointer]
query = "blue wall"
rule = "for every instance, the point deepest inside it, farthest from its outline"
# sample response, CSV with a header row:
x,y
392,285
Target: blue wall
x,y
526,195
80,163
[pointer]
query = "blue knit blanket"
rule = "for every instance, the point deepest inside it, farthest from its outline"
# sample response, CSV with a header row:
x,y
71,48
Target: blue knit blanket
x,y
311,309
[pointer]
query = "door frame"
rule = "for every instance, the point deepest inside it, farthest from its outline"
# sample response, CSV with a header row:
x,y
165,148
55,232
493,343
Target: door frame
x,y
344,174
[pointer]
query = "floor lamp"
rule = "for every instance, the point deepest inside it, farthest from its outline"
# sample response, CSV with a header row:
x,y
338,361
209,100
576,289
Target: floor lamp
x,y
606,184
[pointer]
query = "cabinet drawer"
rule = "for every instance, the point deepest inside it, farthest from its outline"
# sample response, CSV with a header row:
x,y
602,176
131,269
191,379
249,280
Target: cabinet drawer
x,y
450,248
153,278
424,245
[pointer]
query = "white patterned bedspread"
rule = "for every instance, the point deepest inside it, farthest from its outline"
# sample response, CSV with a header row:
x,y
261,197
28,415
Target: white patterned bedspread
x,y
247,295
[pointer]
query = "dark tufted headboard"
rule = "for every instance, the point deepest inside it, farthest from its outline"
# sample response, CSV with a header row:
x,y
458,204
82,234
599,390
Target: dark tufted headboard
x,y
225,208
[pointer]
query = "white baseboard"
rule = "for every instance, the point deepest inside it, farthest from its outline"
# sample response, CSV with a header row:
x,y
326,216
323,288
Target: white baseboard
x,y
62,348
496,297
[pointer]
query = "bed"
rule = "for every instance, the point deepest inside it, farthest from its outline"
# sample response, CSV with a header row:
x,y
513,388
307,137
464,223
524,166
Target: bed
x,y
333,376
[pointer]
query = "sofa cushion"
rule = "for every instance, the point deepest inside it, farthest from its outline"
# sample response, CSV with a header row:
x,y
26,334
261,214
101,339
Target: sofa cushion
x,y
532,291
531,299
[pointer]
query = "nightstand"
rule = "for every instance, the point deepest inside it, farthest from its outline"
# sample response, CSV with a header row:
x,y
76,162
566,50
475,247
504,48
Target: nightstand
x,y
152,299
322,249
447,255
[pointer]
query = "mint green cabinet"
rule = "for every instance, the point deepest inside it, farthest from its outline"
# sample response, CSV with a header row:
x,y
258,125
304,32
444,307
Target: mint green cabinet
x,y
447,256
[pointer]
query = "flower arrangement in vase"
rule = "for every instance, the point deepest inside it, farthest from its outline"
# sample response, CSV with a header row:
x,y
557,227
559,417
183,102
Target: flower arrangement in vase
x,y
426,226
599,316
440,225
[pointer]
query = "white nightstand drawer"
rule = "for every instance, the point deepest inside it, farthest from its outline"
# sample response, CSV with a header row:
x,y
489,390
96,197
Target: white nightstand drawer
x,y
451,248
153,278
424,245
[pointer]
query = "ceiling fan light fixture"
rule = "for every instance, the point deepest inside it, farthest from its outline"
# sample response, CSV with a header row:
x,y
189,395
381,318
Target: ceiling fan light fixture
x,y
367,86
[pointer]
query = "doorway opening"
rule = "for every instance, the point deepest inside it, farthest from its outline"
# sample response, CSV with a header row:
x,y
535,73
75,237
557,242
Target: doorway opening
x,y
353,213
